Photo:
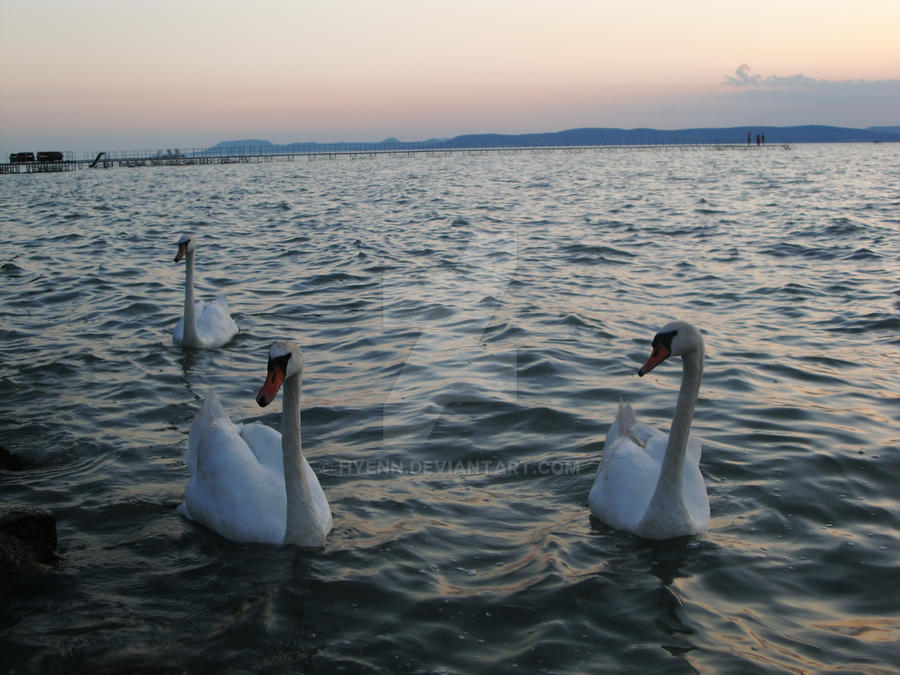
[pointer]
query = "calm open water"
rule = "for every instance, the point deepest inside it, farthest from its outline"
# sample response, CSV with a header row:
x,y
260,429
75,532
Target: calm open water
x,y
469,324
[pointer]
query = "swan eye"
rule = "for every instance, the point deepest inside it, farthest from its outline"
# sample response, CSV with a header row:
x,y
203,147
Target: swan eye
x,y
662,346
664,340
280,362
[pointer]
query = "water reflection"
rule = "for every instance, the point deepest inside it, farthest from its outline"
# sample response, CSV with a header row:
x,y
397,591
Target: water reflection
x,y
421,320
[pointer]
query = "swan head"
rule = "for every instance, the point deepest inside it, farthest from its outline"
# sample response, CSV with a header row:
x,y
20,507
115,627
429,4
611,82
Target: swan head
x,y
185,245
285,360
677,338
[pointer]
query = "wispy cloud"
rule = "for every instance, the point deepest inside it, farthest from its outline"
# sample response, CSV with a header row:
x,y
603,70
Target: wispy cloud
x,y
809,100
743,78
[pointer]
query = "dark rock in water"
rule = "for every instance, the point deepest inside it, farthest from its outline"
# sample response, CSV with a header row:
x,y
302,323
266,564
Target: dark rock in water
x,y
10,462
27,541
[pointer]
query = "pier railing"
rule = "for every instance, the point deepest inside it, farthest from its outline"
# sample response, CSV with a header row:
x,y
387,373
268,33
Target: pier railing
x,y
268,153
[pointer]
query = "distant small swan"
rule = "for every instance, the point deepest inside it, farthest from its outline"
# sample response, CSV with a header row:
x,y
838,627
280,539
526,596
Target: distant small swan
x,y
249,483
649,482
205,325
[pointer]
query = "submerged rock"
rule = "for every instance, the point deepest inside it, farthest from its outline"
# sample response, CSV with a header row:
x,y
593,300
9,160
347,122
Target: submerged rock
x,y
27,541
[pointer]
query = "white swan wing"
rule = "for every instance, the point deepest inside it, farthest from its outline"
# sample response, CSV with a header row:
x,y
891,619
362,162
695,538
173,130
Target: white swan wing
x,y
210,411
214,323
696,501
229,490
626,426
621,426
652,440
625,482
628,472
265,444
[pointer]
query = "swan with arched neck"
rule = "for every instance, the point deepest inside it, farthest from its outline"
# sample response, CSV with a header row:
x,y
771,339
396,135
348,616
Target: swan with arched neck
x,y
204,325
648,481
250,483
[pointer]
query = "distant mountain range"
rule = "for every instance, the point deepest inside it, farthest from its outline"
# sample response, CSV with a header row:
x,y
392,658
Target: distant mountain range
x,y
889,130
589,137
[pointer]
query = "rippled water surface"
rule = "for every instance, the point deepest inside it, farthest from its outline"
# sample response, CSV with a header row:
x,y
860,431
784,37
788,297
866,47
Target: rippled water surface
x,y
469,324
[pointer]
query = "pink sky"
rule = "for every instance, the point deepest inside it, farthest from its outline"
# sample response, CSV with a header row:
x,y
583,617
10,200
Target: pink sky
x,y
106,74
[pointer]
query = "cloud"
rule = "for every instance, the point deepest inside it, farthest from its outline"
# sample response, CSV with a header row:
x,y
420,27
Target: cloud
x,y
800,99
871,95
743,78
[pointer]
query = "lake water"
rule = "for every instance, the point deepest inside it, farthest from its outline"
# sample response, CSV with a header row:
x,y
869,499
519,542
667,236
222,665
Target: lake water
x,y
469,324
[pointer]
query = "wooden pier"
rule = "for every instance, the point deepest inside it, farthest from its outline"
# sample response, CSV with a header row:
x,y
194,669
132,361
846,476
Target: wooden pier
x,y
38,167
199,157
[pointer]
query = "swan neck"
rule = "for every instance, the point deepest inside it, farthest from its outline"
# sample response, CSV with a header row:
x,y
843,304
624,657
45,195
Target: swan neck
x,y
299,500
673,464
290,423
190,316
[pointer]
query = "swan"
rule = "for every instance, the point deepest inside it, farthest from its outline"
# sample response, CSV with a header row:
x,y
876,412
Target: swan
x,y
250,483
204,324
649,482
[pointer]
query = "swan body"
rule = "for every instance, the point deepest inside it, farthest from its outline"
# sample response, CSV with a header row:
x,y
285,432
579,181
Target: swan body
x,y
204,325
649,482
250,483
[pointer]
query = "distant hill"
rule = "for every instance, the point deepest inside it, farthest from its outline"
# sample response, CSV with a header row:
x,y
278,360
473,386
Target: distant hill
x,y
248,143
589,137
885,130
801,134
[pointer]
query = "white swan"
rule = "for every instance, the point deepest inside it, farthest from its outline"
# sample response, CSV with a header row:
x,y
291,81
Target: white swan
x,y
649,482
250,483
204,324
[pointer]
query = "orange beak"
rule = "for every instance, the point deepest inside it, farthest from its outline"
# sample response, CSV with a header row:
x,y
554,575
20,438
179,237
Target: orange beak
x,y
660,354
182,249
273,383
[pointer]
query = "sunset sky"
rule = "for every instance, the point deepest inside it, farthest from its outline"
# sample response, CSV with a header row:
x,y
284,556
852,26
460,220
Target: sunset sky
x,y
125,74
